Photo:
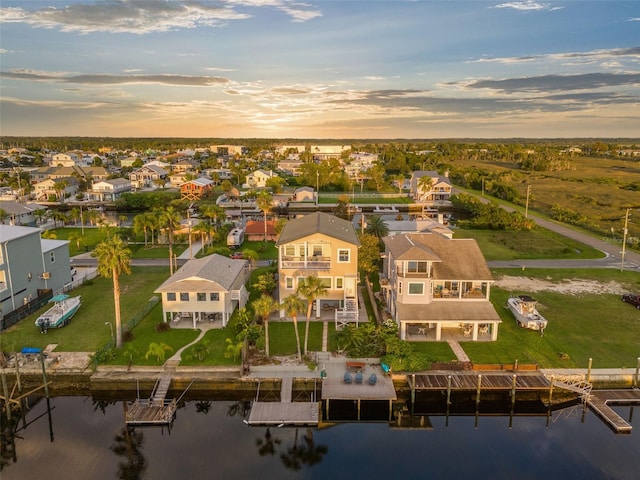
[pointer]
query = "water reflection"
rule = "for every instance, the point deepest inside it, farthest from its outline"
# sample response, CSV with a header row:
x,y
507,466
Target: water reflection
x,y
208,439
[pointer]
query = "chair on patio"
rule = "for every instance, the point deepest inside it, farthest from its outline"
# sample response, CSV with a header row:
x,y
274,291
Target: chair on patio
x,y
359,378
373,379
347,377
484,329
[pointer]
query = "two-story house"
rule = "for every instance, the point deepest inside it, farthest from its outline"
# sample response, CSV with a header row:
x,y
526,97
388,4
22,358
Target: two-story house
x,y
109,190
437,288
208,288
197,188
434,190
147,176
258,179
31,269
325,246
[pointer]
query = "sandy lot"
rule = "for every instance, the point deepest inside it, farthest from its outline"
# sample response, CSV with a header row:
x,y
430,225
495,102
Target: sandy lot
x,y
568,286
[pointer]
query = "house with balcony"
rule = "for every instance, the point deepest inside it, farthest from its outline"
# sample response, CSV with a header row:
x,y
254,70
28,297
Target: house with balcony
x,y
148,176
109,190
258,179
435,192
206,289
437,288
325,246
197,188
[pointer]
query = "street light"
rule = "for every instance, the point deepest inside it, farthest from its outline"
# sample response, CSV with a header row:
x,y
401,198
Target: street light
x,y
110,328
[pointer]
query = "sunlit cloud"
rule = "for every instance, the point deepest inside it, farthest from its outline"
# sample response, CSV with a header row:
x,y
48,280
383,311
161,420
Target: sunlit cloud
x,y
142,16
97,79
528,6
631,52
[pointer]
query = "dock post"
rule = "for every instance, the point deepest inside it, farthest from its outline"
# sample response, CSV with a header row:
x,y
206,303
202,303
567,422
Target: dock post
x,y
448,398
44,375
19,381
637,379
553,378
5,390
478,391
513,392
413,393
589,370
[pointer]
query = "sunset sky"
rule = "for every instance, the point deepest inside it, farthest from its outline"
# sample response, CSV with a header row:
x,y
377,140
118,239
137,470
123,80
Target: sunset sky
x,y
320,69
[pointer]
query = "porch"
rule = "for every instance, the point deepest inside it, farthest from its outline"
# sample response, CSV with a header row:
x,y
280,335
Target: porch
x,y
197,320
463,332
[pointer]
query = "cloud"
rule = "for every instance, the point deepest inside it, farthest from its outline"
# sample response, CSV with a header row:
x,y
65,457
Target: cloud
x,y
143,16
602,54
556,83
528,6
99,79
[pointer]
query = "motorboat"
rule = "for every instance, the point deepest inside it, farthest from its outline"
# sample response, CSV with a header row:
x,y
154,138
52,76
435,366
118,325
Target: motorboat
x,y
63,309
524,308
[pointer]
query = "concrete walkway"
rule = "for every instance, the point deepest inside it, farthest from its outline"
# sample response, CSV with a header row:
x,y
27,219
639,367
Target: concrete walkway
x,y
175,359
458,351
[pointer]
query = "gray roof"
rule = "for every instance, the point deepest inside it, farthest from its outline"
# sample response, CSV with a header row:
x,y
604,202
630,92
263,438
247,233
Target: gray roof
x,y
454,258
213,272
10,232
318,222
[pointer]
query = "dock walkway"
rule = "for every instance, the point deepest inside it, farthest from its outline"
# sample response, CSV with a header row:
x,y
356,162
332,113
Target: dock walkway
x,y
284,412
599,401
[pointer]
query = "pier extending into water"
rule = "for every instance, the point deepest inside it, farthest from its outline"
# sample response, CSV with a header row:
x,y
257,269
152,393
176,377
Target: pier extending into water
x,y
156,410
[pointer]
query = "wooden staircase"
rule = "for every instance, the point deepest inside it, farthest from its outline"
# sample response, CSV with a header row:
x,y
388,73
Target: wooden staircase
x,y
160,391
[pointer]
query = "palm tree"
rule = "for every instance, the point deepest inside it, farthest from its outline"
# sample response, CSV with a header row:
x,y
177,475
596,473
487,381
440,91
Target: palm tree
x,y
264,201
425,184
170,220
264,306
250,255
292,305
377,227
205,230
158,350
140,225
310,288
114,259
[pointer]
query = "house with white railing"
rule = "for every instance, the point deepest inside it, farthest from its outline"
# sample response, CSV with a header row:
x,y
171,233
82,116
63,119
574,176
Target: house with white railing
x,y
325,246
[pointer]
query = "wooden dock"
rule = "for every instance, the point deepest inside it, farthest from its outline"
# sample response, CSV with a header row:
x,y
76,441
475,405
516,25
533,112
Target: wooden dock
x,y
599,401
494,381
285,412
156,410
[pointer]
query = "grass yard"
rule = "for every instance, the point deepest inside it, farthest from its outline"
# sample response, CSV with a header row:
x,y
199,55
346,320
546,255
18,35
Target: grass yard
x,y
87,330
538,243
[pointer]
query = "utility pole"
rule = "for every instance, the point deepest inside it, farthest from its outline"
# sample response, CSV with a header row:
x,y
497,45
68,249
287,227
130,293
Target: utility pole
x,y
624,239
526,207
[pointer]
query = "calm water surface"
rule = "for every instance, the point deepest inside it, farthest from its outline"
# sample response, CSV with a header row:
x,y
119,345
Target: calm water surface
x,y
209,440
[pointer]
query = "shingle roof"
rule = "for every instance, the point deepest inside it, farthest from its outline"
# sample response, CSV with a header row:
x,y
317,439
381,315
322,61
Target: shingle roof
x,y
318,222
465,312
453,258
204,274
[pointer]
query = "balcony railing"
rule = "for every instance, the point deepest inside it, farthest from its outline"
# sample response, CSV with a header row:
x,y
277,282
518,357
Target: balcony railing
x,y
311,263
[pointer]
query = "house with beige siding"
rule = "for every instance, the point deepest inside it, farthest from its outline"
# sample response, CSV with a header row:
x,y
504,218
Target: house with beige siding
x,y
206,289
437,288
325,246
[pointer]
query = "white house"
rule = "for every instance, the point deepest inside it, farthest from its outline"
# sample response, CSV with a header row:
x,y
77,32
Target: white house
x,y
258,179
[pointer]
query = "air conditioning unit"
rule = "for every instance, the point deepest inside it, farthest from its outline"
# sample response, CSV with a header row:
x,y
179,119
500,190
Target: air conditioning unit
x,y
45,275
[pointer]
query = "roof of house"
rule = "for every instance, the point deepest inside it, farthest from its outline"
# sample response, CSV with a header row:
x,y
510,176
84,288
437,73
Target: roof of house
x,y
453,258
464,312
256,227
318,222
202,181
204,274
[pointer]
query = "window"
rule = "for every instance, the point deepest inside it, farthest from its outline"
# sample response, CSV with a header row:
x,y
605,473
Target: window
x,y
416,288
317,250
214,296
399,288
301,249
343,255
201,297
171,296
339,283
325,282
289,250
53,257
184,296
288,283
416,267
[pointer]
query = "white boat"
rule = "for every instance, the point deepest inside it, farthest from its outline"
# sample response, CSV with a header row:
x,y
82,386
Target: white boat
x,y
524,309
58,316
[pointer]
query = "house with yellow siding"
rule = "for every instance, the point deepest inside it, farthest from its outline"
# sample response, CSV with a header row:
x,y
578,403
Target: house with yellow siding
x,y
325,246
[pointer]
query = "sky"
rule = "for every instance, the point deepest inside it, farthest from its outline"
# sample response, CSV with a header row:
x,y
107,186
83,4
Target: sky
x,y
329,69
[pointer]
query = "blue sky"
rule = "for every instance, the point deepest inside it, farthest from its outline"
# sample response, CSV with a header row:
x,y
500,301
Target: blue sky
x,y
320,69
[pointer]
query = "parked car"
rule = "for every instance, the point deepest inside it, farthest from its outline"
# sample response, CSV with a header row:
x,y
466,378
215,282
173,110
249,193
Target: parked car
x,y
237,255
632,298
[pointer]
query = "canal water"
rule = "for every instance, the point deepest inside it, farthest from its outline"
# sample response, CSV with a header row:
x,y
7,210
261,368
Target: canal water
x,y
86,439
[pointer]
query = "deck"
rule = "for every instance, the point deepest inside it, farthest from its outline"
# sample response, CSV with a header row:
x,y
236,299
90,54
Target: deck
x,y
284,412
156,410
495,381
599,401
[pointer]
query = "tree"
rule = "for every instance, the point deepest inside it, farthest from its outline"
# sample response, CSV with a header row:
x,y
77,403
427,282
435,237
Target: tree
x,y
114,259
170,220
264,306
310,288
265,283
369,253
377,227
292,305
264,201
250,255
425,184
158,350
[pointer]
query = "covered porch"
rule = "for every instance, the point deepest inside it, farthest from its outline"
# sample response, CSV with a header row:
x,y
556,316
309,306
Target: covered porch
x,y
442,321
